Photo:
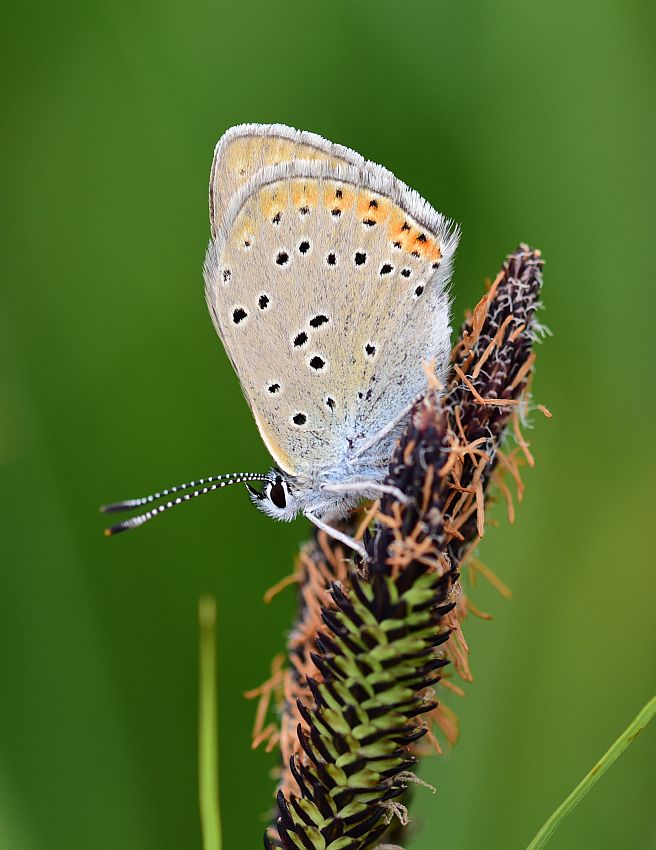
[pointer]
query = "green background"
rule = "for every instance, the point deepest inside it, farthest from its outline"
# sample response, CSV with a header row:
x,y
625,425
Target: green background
x,y
523,120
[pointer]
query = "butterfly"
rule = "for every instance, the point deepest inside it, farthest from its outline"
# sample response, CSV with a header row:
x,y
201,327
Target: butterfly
x,y
326,279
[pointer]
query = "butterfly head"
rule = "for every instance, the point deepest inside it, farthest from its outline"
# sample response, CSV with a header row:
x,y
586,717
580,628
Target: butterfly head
x,y
277,498
284,496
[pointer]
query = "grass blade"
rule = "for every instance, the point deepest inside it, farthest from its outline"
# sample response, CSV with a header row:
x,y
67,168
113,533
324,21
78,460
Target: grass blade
x,y
208,749
616,749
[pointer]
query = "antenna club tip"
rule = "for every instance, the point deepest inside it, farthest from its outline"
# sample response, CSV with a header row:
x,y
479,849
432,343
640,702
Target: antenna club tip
x,y
108,532
116,507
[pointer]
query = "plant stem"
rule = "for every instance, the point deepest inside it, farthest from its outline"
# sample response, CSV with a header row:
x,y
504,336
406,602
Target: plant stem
x,y
616,749
208,766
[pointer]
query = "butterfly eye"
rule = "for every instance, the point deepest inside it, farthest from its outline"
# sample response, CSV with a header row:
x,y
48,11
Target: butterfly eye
x,y
276,492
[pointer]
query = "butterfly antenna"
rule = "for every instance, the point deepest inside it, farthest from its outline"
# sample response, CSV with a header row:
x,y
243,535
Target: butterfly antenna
x,y
203,486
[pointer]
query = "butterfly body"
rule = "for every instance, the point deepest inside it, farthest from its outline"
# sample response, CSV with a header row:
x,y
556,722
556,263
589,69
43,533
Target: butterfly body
x,y
312,493
326,279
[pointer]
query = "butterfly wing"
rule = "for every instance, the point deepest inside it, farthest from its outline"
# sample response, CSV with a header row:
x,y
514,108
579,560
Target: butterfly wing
x,y
244,150
327,285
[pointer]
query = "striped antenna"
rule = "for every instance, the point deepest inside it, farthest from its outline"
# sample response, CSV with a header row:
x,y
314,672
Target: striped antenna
x,y
203,486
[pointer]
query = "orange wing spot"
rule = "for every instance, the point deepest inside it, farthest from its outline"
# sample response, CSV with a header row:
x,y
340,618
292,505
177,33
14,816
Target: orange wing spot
x,y
330,202
372,207
434,255
347,197
394,226
405,235
383,210
304,194
269,203
298,195
311,194
424,245
363,204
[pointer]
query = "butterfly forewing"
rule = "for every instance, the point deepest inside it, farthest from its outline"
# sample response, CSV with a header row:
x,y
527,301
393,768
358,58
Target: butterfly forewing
x,y
327,286
245,149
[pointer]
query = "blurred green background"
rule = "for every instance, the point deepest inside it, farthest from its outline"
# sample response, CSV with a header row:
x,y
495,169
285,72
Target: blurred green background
x,y
523,120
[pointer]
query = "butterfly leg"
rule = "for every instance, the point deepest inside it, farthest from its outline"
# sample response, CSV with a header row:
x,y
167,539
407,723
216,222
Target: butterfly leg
x,y
367,487
335,533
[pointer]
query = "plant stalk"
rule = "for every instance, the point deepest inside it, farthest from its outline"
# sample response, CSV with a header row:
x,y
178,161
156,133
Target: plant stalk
x,y
616,749
208,765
